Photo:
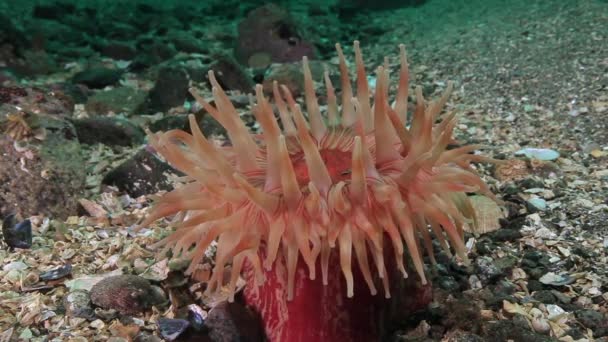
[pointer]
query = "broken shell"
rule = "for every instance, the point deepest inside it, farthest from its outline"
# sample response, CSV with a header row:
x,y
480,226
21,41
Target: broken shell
x,y
17,235
540,325
488,215
57,273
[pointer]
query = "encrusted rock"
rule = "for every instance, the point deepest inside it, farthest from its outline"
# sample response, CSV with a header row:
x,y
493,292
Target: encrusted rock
x,y
128,294
142,174
78,304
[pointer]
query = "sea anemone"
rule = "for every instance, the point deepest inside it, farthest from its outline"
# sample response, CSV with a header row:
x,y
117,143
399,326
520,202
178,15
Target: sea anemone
x,y
319,192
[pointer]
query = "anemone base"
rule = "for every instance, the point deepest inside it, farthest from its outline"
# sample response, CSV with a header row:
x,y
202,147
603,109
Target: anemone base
x,y
323,313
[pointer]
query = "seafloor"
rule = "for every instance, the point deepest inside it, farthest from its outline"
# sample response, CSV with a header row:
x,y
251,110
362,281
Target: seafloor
x,y
79,83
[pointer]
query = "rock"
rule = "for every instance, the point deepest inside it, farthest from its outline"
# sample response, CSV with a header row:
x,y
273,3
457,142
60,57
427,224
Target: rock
x,y
13,41
151,52
593,320
269,30
142,174
230,75
44,180
360,5
185,42
207,124
535,285
509,330
506,263
98,77
111,131
119,50
127,294
487,270
448,283
233,322
505,235
118,100
78,304
545,297
52,11
290,75
146,337
47,102
170,90
170,329
17,234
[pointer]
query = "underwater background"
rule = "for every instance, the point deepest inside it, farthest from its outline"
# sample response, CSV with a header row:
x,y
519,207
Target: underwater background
x,y
81,82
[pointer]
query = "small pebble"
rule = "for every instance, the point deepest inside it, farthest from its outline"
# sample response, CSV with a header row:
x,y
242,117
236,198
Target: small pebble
x,y
97,324
538,203
538,153
171,329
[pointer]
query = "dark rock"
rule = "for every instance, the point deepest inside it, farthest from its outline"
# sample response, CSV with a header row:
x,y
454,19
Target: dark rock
x,y
593,320
98,77
78,304
485,246
584,252
57,273
563,298
509,330
52,11
146,337
362,5
151,52
119,31
233,322
269,31
291,75
505,235
533,255
487,269
207,124
34,62
170,90
69,94
463,336
535,285
170,122
12,39
230,75
185,42
536,272
545,297
142,174
505,264
529,183
461,313
127,294
17,235
448,283
111,131
118,50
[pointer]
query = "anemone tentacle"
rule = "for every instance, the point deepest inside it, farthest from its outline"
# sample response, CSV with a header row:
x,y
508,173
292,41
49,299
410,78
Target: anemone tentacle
x,y
353,180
